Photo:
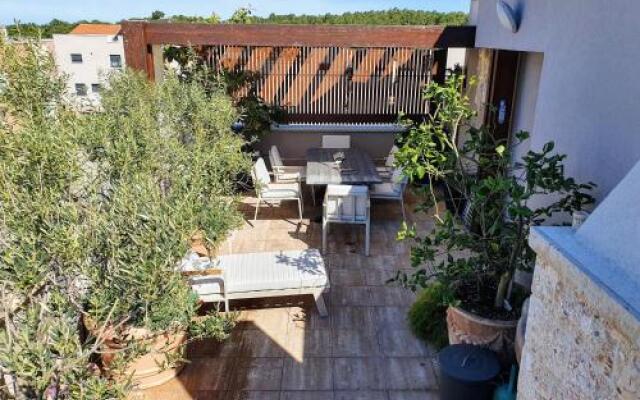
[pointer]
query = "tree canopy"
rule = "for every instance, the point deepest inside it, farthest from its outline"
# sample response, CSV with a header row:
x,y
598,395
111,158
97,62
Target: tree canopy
x,y
394,16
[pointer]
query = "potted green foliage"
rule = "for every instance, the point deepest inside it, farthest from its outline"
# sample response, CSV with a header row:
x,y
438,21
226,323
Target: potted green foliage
x,y
164,158
476,248
96,210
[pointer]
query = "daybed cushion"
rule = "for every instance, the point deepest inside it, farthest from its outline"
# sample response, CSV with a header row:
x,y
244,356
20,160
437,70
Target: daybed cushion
x,y
265,272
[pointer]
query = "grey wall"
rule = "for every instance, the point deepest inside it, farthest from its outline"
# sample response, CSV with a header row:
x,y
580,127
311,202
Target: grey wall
x,y
524,112
588,99
294,145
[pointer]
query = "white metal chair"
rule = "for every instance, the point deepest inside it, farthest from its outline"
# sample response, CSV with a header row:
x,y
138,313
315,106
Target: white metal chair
x,y
285,173
273,192
336,141
392,190
346,204
389,163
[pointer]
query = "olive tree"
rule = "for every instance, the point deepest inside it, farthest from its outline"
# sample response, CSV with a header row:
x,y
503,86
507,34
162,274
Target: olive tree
x,y
95,212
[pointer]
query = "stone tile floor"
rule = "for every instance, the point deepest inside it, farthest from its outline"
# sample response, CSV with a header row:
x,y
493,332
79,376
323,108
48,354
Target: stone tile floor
x,y
282,349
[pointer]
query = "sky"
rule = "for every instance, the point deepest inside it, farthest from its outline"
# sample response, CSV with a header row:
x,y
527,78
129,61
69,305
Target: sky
x,y
114,10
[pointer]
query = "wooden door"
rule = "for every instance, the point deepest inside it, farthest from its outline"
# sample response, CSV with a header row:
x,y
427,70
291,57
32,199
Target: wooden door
x,y
502,94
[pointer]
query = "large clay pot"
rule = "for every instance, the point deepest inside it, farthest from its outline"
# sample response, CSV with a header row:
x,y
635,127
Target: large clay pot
x,y
163,361
465,327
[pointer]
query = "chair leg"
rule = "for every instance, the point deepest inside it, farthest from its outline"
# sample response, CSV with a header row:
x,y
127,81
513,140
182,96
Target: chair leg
x,y
404,217
322,308
313,194
367,239
300,209
255,216
325,226
226,305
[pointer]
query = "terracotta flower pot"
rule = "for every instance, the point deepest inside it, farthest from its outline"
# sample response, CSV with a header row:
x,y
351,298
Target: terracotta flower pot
x,y
162,362
465,327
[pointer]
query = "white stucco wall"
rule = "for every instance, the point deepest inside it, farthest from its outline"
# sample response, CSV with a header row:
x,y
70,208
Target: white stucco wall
x,y
526,99
95,50
589,94
456,56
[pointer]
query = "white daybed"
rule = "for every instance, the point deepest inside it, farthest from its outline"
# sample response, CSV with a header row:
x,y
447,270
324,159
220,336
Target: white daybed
x,y
256,275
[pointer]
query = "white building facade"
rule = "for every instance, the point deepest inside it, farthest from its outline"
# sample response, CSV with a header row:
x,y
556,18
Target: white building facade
x,y
577,80
88,55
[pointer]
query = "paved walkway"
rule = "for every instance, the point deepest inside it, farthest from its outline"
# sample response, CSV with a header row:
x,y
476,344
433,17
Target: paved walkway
x,y
281,348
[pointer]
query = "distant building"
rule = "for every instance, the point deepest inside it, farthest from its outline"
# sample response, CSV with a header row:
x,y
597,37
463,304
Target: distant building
x,y
88,55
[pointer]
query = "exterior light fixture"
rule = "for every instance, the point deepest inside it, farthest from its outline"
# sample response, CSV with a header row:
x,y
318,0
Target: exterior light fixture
x,y
507,16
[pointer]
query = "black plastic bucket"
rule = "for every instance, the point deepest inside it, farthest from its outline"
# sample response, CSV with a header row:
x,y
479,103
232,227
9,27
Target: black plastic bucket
x,y
467,372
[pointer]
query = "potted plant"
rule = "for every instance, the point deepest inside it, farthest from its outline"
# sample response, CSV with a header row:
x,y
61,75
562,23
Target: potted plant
x,y
474,254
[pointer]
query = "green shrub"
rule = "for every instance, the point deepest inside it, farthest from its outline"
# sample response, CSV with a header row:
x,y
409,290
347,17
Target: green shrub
x,y
427,316
95,212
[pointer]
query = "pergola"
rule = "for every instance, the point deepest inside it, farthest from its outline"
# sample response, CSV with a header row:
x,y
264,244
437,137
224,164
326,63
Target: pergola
x,y
347,73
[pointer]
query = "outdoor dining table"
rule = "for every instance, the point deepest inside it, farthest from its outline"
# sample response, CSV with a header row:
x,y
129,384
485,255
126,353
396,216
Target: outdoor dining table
x,y
356,167
351,166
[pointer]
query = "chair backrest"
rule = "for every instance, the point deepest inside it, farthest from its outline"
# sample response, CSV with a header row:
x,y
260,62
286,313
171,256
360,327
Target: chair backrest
x,y
398,180
391,158
274,157
346,203
336,141
260,174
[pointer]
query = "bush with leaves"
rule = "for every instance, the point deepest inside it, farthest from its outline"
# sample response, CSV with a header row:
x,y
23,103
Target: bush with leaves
x,y
427,315
475,252
95,212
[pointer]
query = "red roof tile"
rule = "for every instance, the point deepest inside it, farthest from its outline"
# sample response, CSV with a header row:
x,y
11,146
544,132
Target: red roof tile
x,y
96,29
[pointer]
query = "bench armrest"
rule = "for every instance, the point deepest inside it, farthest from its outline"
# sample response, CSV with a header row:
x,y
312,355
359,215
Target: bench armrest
x,y
203,272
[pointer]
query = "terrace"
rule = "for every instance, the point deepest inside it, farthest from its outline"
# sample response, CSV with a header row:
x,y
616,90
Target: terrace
x,y
348,80
99,209
283,349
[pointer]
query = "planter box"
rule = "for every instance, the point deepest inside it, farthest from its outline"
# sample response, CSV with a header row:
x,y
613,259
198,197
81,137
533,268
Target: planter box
x,y
468,328
149,369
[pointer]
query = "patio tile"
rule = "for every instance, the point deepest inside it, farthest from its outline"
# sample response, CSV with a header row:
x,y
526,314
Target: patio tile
x,y
360,395
235,395
402,343
302,343
347,277
353,318
307,395
314,373
263,374
257,343
350,342
272,319
390,317
351,296
391,296
413,395
408,373
308,317
379,277
356,373
210,374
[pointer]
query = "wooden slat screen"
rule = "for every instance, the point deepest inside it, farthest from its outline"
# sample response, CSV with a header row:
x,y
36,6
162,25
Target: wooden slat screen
x,y
334,84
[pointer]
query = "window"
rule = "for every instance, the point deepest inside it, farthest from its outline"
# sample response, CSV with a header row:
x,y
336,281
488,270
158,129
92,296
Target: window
x,y
81,89
76,58
95,87
115,60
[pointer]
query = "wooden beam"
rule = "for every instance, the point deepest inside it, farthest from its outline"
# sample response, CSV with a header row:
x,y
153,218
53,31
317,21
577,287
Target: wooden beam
x,y
302,35
135,45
